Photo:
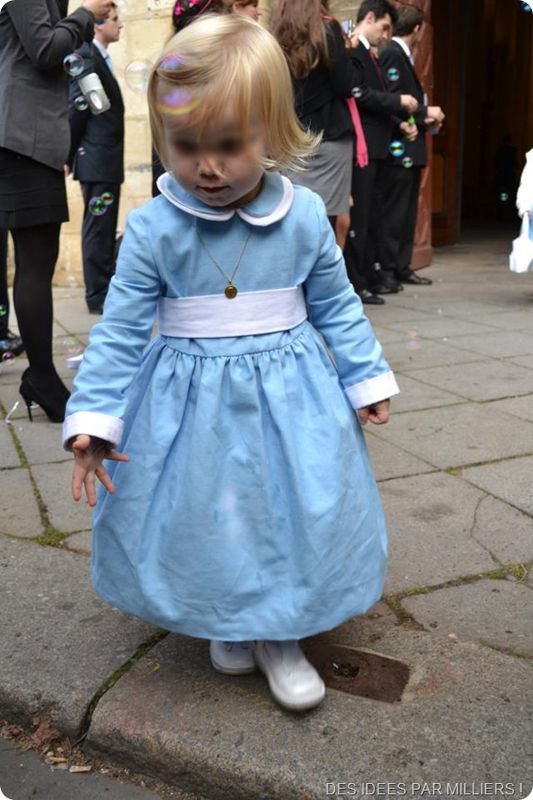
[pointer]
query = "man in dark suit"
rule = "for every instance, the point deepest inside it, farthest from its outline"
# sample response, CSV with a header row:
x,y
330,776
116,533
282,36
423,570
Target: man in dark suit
x,y
97,161
404,171
379,110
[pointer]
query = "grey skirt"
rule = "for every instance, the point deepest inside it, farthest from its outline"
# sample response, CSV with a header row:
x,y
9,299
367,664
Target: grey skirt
x,y
329,174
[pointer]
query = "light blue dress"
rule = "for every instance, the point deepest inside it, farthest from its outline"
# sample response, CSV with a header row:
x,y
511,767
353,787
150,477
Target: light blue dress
x,y
248,509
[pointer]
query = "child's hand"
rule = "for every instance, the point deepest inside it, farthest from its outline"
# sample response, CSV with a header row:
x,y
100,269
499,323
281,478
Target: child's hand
x,y
89,452
378,413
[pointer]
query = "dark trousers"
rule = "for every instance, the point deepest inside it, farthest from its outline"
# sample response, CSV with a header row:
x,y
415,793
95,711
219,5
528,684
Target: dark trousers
x,y
4,296
365,230
398,219
98,243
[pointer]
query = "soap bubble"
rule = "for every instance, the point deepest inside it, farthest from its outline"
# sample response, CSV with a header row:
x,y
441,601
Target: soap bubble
x,y
97,206
73,65
7,357
526,7
414,344
397,149
81,151
137,75
107,199
504,197
176,102
407,162
393,74
357,92
3,311
80,103
172,62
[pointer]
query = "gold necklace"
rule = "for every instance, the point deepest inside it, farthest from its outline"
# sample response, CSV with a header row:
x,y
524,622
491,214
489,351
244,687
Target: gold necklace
x,y
231,290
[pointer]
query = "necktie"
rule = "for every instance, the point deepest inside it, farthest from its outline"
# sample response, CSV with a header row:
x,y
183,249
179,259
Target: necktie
x,y
109,63
378,70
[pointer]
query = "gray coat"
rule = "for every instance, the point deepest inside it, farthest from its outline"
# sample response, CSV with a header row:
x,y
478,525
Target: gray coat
x,y
35,37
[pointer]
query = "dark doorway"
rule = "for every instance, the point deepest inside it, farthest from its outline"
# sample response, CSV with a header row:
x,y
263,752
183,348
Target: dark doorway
x,y
483,70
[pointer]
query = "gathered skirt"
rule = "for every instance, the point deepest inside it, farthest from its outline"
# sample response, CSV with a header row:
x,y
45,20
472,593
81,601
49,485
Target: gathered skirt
x,y
248,509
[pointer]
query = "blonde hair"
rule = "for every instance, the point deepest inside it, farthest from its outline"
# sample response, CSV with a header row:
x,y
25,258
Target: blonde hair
x,y
221,62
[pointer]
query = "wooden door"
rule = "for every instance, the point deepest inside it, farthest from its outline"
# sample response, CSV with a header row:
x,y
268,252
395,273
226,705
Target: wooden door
x,y
423,55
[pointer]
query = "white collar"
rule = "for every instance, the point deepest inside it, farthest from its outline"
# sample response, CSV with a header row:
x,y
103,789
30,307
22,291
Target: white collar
x,y
101,48
271,204
364,41
403,45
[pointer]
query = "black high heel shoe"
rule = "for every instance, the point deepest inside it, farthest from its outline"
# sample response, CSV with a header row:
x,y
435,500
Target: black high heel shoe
x,y
52,398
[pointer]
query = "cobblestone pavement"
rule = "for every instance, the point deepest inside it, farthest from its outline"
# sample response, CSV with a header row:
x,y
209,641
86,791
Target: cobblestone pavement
x,y
455,467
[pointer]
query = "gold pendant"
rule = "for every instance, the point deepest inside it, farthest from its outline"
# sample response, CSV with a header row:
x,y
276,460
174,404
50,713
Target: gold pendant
x,y
230,291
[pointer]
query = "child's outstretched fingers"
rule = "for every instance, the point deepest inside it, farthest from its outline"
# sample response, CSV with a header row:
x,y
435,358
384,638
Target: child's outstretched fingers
x,y
89,452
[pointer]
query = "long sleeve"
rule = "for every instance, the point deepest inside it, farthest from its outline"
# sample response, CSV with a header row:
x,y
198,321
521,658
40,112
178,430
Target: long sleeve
x,y
337,312
378,102
78,119
524,196
391,59
45,44
117,343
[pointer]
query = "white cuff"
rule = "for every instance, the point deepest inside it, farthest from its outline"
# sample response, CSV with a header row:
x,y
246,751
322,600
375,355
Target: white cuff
x,y
92,423
373,390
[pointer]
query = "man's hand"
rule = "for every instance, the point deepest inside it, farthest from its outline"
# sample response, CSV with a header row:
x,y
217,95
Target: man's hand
x,y
436,114
410,131
66,170
378,413
409,103
89,452
100,8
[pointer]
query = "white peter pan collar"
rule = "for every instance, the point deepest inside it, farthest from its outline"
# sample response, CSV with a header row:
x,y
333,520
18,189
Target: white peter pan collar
x,y
271,204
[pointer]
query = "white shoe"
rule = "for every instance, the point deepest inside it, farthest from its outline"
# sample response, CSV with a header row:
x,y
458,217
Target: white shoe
x,y
232,658
73,362
293,681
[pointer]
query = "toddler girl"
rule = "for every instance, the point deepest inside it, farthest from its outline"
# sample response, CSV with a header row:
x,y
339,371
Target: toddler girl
x,y
247,513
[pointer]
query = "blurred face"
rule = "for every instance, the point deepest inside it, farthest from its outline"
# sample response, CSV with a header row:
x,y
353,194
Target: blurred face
x,y
249,10
222,168
109,31
377,31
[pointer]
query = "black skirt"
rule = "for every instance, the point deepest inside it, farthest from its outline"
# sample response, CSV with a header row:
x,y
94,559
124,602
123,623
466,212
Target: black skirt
x,y
30,193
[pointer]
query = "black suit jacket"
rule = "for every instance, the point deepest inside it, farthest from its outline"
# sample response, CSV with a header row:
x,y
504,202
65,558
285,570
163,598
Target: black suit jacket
x,y
379,109
394,58
97,141
35,37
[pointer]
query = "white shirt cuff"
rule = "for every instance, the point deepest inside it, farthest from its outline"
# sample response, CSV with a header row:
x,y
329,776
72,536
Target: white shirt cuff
x,y
373,390
92,423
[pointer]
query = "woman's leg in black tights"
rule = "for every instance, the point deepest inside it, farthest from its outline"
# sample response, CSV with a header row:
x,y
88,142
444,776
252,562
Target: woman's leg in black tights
x,y
36,251
4,297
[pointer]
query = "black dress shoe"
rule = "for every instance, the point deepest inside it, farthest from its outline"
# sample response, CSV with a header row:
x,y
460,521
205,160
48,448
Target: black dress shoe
x,y
383,288
408,276
370,299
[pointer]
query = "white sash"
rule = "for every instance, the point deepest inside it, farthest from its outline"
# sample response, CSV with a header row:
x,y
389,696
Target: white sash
x,y
213,316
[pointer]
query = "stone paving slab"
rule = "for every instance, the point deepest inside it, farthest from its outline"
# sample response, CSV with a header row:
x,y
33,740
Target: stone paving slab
x,y
443,327
73,316
480,380
8,454
523,361
54,482
416,353
432,522
41,441
59,641
19,513
79,541
459,435
501,344
225,738
384,315
391,462
415,395
511,480
517,406
513,321
469,612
